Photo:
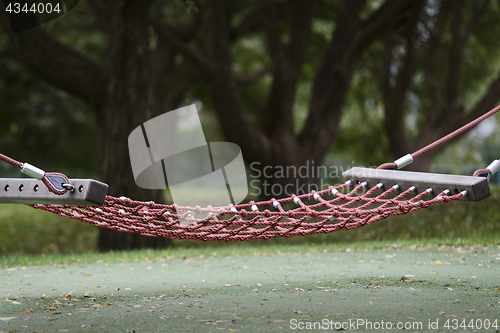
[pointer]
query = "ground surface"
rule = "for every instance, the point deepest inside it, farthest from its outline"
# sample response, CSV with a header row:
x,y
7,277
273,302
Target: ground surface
x,y
281,292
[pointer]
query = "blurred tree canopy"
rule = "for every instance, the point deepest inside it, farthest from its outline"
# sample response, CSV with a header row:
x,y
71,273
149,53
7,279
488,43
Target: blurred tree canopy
x,y
34,116
283,79
435,71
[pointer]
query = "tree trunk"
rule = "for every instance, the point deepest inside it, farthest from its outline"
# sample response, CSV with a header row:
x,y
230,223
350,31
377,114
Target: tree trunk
x,y
128,103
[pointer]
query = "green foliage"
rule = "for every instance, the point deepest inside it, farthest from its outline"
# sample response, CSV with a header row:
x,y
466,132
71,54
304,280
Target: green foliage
x,y
35,117
43,125
362,133
26,230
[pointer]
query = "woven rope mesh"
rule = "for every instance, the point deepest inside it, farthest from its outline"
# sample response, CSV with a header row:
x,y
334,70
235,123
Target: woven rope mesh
x,y
329,210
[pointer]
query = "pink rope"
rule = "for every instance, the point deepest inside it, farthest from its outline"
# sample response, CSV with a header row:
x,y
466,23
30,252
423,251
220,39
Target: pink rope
x,y
456,132
450,136
11,161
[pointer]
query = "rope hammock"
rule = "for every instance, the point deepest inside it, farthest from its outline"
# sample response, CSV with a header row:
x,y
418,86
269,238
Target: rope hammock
x,y
366,197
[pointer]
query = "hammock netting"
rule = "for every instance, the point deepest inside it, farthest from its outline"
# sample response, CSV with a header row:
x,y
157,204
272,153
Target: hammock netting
x,y
324,211
346,206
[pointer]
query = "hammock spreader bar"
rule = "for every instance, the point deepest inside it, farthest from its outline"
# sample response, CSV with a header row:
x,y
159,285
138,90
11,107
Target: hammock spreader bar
x,y
86,192
477,188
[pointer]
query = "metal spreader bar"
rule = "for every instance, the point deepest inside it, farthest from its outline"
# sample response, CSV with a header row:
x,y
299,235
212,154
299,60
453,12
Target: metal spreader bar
x,y
477,187
86,192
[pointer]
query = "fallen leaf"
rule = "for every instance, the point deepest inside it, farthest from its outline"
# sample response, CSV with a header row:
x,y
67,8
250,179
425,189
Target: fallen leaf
x,y
7,318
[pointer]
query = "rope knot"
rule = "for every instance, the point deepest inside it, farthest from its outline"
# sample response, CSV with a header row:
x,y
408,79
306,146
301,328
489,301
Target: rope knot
x,y
446,199
424,204
404,208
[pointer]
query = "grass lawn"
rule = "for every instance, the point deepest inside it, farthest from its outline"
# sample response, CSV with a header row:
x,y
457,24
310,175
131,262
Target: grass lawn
x,y
274,288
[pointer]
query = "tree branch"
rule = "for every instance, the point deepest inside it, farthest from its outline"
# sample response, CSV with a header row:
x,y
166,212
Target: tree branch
x,y
405,73
99,5
414,58
272,33
334,75
59,64
459,42
223,88
385,68
190,53
254,21
488,102
436,98
382,18
287,64
455,59
444,119
251,78
135,8
180,79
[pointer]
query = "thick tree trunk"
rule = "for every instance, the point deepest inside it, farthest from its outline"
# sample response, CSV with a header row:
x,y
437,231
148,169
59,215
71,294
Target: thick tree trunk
x,y
128,103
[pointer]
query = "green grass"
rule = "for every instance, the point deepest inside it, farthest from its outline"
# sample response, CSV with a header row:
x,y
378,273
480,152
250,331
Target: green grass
x,y
252,289
234,249
27,231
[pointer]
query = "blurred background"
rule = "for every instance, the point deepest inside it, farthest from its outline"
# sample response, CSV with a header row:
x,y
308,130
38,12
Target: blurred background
x,y
334,83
